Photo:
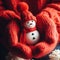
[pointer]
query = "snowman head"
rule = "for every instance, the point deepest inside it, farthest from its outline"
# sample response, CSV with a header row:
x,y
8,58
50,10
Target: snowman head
x,y
30,24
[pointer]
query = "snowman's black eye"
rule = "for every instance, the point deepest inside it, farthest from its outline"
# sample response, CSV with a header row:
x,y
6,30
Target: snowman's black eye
x,y
32,33
33,38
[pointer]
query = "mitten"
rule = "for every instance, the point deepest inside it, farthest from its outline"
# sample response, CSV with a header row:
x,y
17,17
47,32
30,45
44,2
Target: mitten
x,y
48,35
46,24
17,37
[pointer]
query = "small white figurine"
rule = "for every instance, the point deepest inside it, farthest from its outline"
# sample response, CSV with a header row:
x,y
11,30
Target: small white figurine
x,y
33,36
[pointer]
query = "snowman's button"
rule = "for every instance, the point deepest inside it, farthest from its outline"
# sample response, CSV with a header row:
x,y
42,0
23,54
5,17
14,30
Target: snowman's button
x,y
33,38
32,33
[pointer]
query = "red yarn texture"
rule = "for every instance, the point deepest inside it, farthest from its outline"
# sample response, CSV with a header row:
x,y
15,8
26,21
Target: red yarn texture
x,y
14,13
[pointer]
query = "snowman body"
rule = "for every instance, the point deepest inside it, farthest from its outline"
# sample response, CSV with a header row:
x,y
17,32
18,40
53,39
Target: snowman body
x,y
33,36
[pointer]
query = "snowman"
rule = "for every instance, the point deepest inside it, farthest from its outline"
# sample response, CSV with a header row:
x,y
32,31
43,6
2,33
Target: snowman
x,y
29,24
32,35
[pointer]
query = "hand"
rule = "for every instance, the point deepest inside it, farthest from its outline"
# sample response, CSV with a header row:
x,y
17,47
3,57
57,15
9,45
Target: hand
x,y
49,35
22,50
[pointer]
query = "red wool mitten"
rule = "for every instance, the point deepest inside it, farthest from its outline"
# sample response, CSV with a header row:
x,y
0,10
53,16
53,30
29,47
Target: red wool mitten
x,y
17,32
48,33
48,24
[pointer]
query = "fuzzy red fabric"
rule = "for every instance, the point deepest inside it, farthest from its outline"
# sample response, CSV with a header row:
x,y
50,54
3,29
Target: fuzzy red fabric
x,y
12,30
